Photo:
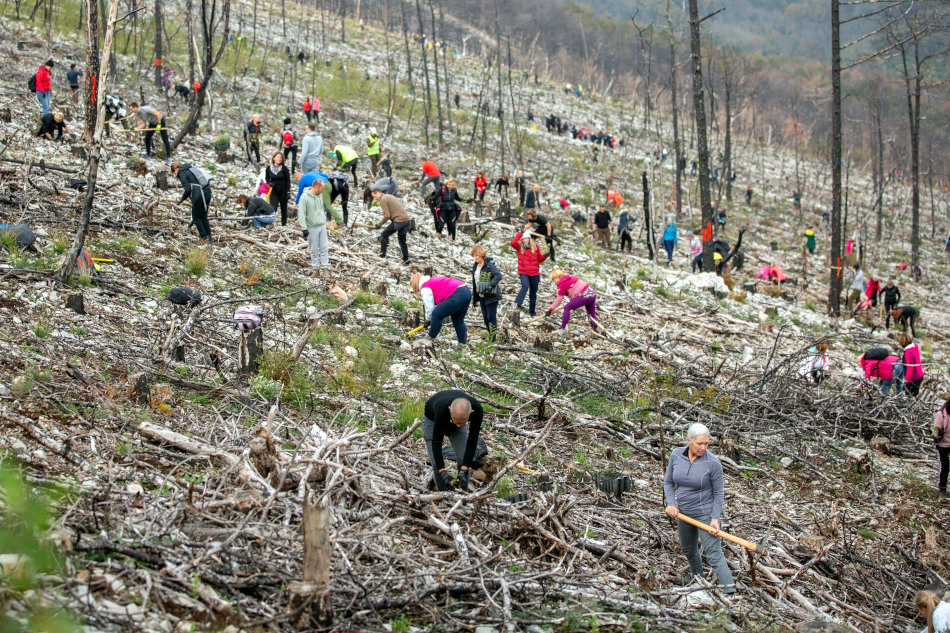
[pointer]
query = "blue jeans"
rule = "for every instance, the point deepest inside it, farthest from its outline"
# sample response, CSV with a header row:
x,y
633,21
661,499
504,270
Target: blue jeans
x,y
456,307
712,546
43,96
262,220
458,438
886,386
529,283
668,245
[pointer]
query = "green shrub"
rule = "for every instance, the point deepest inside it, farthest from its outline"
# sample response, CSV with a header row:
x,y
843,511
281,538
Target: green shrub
x,y
504,487
397,304
222,139
279,366
196,261
269,389
42,329
22,385
410,409
364,298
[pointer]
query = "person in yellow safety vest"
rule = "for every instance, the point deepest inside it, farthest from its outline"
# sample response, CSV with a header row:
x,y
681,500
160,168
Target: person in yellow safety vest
x,y
372,149
346,159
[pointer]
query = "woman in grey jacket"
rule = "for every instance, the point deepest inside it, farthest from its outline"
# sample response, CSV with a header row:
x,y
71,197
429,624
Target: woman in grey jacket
x,y
694,486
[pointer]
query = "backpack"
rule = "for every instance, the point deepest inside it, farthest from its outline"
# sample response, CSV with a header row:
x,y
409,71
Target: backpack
x,y
288,138
205,180
184,296
248,317
31,83
877,353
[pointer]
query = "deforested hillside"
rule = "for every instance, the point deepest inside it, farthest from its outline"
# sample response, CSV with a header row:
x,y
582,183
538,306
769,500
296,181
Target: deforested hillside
x,y
174,464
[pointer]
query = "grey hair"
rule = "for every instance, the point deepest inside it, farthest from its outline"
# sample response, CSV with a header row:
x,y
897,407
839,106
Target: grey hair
x,y
697,429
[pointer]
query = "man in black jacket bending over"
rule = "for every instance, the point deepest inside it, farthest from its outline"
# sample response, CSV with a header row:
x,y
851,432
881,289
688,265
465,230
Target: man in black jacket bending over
x,y
458,416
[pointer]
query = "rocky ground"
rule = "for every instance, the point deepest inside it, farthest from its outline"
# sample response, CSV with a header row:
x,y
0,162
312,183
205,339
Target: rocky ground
x,y
182,510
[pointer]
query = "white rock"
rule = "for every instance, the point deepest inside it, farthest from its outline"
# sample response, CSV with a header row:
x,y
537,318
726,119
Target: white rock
x,y
776,495
4,390
786,462
351,351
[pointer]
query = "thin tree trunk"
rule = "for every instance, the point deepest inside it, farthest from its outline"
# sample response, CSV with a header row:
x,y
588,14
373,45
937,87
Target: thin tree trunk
x,y
435,58
158,43
699,115
92,74
425,68
677,146
66,268
835,284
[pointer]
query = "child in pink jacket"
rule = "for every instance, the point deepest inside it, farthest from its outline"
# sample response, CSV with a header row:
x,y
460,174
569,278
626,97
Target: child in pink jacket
x,y
882,369
579,293
913,368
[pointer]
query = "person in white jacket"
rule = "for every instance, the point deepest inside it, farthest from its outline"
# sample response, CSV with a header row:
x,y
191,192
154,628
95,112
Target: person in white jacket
x,y
933,609
312,149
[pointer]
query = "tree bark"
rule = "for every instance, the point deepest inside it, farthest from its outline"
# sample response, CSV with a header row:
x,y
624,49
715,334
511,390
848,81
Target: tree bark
x,y
677,146
699,115
834,285
435,59
66,268
158,43
425,68
90,88
647,220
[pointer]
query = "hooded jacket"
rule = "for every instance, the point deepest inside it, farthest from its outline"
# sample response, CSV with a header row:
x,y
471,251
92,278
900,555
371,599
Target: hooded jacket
x,y
310,152
529,259
310,211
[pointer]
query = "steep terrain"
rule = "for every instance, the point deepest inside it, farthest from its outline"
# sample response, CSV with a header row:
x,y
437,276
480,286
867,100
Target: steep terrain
x,y
183,510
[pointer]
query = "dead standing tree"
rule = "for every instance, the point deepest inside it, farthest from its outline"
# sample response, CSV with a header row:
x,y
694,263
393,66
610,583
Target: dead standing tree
x,y
66,268
215,21
90,102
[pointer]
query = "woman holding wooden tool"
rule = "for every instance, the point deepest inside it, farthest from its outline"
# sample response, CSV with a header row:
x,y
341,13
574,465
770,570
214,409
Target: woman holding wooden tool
x,y
694,486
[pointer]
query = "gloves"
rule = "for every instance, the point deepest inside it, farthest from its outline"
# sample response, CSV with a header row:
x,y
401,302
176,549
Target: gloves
x,y
428,324
550,312
443,481
306,234
464,477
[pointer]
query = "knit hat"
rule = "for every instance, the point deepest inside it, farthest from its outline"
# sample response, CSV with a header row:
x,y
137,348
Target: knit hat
x,y
49,62
379,185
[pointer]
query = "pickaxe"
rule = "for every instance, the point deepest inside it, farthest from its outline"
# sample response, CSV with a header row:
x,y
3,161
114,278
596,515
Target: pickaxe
x,y
758,549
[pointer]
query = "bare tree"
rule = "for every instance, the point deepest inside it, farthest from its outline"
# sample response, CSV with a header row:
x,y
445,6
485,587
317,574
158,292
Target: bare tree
x,y
674,79
425,68
834,284
90,91
158,43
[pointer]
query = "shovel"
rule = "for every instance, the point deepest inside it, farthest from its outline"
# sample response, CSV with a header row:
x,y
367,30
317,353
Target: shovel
x,y
758,549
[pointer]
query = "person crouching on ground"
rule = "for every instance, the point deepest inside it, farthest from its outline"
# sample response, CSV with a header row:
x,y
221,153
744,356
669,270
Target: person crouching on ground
x,y
312,216
486,289
258,210
580,294
933,607
443,297
883,370
446,414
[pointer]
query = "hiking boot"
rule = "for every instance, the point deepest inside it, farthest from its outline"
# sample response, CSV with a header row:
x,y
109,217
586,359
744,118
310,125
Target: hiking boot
x,y
168,160
144,156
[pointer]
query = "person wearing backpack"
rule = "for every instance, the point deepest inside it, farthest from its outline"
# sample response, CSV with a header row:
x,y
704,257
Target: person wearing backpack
x,y
346,160
312,149
941,437
151,121
197,187
43,85
312,216
278,177
253,135
878,363
288,142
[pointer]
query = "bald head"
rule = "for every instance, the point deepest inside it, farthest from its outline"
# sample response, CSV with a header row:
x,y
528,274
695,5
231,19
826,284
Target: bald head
x,y
460,409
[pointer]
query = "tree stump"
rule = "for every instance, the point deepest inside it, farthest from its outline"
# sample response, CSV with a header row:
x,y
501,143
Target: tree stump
x,y
411,318
138,389
250,351
308,605
5,115
224,157
74,302
161,180
516,318
79,151
379,288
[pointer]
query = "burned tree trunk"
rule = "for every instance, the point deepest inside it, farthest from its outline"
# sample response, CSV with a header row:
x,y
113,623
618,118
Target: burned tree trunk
x,y
158,43
834,285
425,68
90,100
647,220
699,107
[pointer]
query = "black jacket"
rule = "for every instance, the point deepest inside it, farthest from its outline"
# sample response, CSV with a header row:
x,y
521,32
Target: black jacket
x,y
532,200
447,199
258,206
190,184
602,219
437,410
48,125
280,181
892,296
492,275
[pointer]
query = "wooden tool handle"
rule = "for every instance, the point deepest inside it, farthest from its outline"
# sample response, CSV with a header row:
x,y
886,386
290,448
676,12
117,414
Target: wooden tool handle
x,y
758,549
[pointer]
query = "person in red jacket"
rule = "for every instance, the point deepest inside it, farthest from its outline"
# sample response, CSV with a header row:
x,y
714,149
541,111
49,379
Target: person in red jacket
x,y
913,368
308,108
529,269
872,290
481,183
430,173
44,85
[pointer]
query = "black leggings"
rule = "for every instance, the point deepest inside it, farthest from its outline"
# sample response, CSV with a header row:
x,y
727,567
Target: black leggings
x,y
351,166
451,217
151,133
342,190
199,212
279,199
626,239
944,454
291,149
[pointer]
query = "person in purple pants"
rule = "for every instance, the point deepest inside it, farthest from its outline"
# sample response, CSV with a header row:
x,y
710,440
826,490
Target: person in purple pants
x,y
579,293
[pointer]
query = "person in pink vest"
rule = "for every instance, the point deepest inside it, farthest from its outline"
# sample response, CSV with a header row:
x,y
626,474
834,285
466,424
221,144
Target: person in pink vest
x,y
580,294
443,298
881,366
941,436
910,359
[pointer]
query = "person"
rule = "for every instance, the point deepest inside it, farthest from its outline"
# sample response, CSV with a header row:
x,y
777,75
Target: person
x,y
602,226
311,149
941,437
346,160
44,85
386,184
395,213
881,366
115,109
443,298
430,174
721,218
151,121
694,486
372,149
337,187
315,109
457,99
748,194
480,185
446,415
278,177
580,295
670,238
810,239
614,199
533,199
50,123
539,225
486,289
258,209
304,182
857,286
935,610
913,367
200,198
308,108
520,188
288,142
892,297
872,289
312,216
624,229
253,135
385,165
816,364
905,315
446,208
72,77
530,258
696,249
501,186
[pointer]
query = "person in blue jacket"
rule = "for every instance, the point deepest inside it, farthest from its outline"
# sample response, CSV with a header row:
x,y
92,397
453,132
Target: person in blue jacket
x,y
670,238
